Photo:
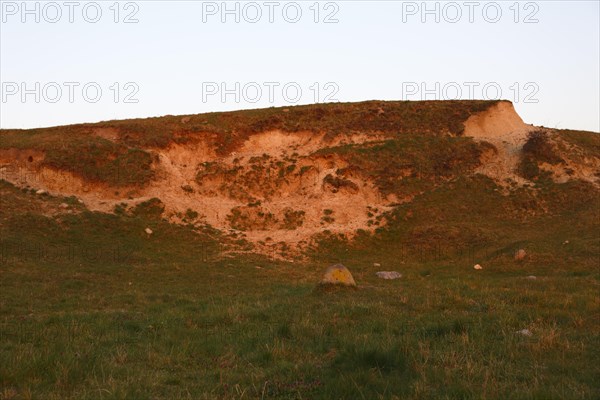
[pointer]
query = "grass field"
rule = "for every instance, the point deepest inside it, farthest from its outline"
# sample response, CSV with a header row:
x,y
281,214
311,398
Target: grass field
x,y
91,307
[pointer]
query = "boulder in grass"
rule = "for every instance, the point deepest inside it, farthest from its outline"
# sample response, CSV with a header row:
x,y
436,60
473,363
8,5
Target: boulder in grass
x,y
389,274
520,255
525,332
338,275
148,231
477,267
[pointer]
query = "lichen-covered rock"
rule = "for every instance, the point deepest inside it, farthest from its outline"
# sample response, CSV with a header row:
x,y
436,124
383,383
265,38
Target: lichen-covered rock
x,y
338,275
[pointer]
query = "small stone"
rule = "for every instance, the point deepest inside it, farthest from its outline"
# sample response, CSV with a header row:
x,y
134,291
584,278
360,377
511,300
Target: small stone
x,y
532,277
285,110
525,332
80,201
520,255
566,242
389,274
148,231
477,267
64,205
338,275
376,265
41,191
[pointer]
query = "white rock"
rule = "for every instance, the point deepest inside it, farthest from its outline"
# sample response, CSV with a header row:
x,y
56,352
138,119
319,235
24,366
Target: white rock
x,y
525,332
532,277
376,265
148,231
41,191
477,267
389,274
566,242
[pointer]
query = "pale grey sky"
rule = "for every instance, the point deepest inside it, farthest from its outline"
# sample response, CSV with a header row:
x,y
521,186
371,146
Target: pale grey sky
x,y
151,58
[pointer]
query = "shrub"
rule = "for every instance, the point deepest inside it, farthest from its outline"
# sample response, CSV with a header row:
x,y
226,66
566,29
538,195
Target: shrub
x,y
190,214
292,219
539,147
337,183
152,208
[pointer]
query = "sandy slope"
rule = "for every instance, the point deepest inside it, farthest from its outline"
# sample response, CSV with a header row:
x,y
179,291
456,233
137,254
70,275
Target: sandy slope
x,y
501,126
272,175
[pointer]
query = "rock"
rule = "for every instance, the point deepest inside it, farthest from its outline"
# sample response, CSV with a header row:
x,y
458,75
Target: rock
x,y
532,277
148,231
477,267
64,205
376,265
389,274
185,120
80,201
41,191
525,332
338,275
566,242
520,255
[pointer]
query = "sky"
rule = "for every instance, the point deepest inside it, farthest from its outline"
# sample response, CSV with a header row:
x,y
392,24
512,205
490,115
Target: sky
x,y
67,62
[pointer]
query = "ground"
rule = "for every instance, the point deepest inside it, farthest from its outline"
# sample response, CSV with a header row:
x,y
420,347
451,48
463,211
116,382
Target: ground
x,y
94,307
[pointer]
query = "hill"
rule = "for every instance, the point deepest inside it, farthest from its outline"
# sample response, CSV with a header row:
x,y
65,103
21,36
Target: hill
x,y
275,180
177,257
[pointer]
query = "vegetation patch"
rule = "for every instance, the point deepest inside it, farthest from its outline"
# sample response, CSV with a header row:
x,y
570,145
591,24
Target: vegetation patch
x,y
251,218
152,208
92,158
537,149
292,219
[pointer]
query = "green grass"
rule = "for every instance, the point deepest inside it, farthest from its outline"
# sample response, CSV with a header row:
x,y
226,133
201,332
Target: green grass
x,y
419,160
589,142
127,315
91,158
226,130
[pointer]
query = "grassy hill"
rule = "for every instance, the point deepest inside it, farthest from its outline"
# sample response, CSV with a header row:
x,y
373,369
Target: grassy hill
x,y
246,209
